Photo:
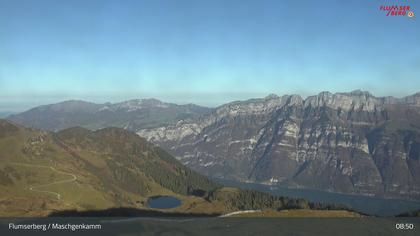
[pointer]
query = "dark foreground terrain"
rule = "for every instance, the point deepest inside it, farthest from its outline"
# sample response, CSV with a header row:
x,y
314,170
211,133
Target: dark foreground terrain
x,y
225,226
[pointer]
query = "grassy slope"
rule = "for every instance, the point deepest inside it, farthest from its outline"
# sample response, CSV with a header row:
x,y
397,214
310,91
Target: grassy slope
x,y
25,157
114,168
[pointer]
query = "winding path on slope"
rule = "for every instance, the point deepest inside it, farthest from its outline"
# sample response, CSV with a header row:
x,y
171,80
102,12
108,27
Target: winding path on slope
x,y
34,188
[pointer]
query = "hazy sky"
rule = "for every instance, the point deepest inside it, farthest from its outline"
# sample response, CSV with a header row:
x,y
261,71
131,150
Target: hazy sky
x,y
205,52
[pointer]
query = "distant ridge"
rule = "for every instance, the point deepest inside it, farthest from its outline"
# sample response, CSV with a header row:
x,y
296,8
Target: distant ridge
x,y
131,114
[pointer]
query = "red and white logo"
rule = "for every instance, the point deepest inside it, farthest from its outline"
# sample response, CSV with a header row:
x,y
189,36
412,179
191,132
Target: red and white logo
x,y
397,10
410,14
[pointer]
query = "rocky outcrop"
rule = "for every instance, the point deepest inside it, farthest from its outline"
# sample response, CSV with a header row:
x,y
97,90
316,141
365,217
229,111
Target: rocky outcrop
x,y
344,142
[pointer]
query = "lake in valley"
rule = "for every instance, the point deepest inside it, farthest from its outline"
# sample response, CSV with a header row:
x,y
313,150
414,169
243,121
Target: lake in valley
x,y
163,202
369,205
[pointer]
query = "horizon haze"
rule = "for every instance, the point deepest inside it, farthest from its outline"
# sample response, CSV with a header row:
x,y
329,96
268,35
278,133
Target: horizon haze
x,y
201,52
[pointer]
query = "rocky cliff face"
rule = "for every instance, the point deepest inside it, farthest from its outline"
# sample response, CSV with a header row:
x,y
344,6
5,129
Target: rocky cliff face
x,y
345,142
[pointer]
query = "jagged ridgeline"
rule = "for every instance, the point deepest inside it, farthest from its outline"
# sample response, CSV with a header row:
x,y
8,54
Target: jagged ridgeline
x,y
344,142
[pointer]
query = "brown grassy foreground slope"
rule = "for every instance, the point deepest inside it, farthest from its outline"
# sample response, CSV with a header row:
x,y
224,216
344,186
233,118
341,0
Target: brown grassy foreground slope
x,y
82,170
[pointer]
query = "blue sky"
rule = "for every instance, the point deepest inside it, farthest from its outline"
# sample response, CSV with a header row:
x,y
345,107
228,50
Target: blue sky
x,y
206,52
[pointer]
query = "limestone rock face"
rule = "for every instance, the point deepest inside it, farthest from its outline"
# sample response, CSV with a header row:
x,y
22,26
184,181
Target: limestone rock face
x,y
344,142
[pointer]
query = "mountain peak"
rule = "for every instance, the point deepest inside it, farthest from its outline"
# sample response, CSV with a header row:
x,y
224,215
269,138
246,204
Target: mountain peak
x,y
137,104
295,99
150,101
69,106
324,93
359,92
271,96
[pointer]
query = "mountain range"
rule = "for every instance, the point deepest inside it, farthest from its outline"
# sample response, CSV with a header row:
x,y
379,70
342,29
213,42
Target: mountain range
x,y
131,115
344,142
113,171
